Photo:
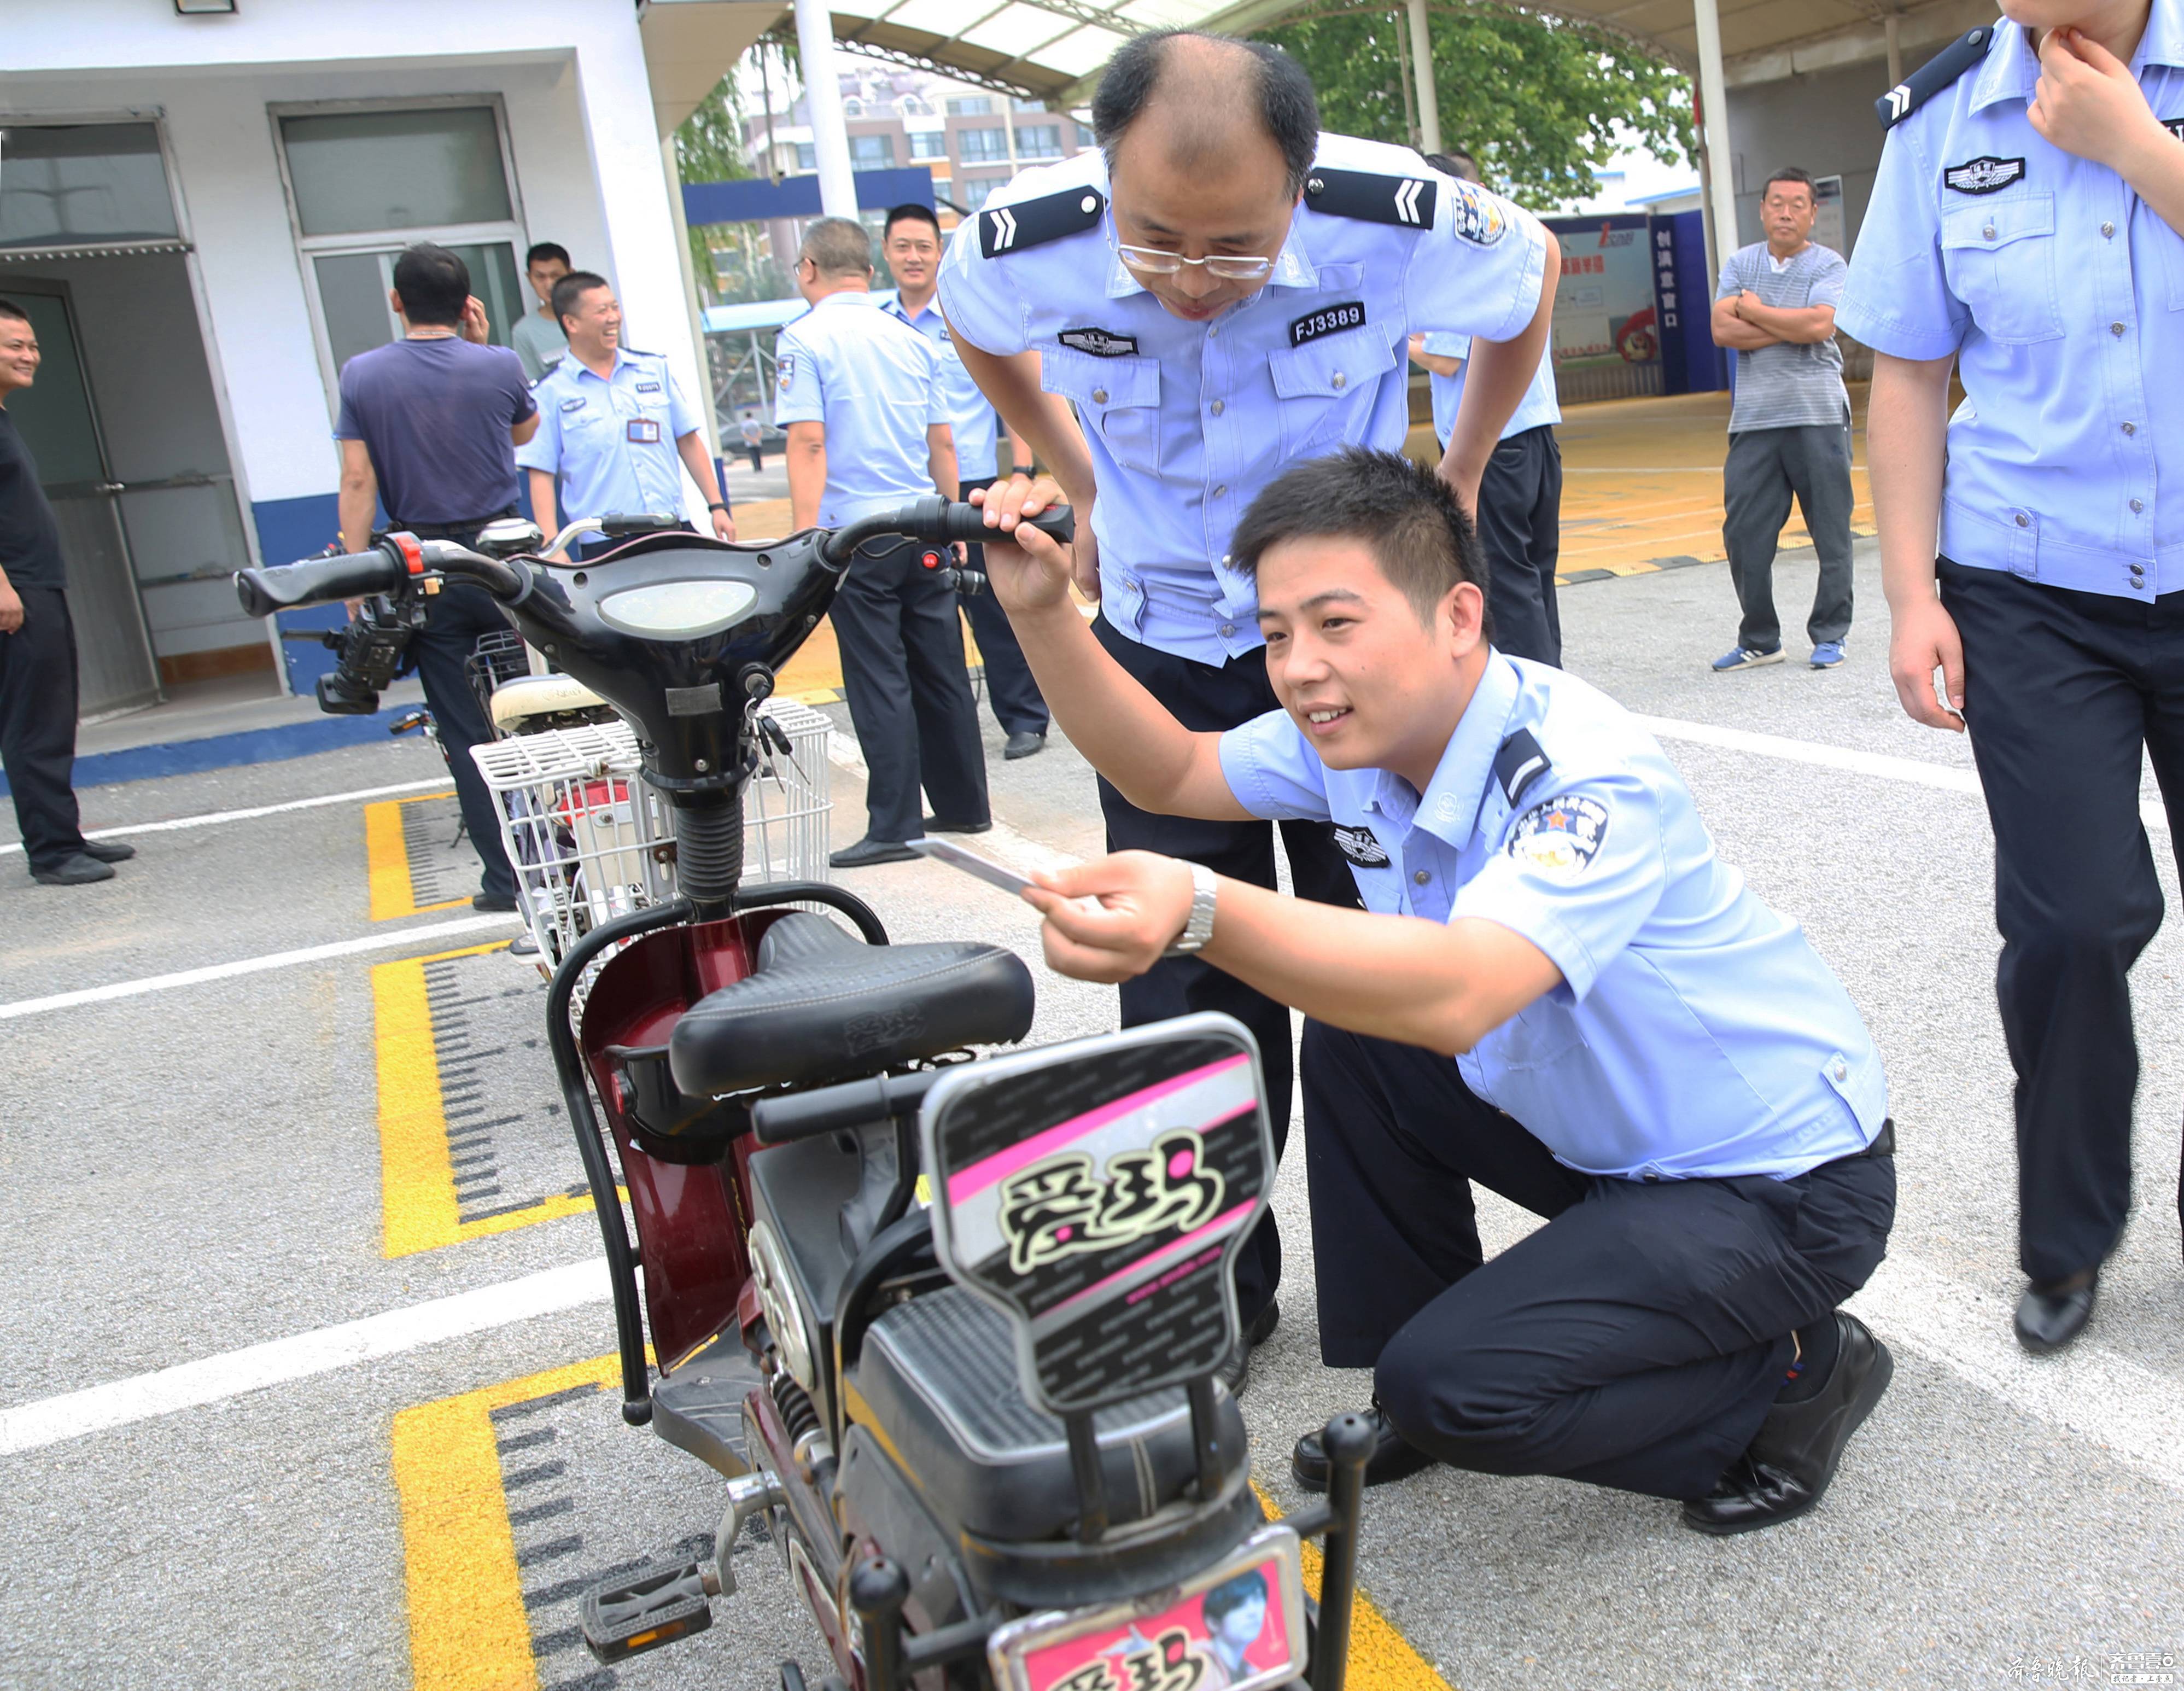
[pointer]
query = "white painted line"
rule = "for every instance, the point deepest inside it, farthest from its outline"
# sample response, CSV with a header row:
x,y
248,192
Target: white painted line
x,y
2132,1413
1943,778
224,971
214,818
1002,843
97,1408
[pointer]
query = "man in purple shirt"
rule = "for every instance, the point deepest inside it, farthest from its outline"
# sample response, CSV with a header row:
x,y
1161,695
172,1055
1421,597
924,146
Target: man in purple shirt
x,y
429,426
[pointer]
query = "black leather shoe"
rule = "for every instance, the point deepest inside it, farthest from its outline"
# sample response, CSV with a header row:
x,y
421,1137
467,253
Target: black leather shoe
x,y
1024,744
2048,1321
496,902
76,871
1238,1369
108,851
1791,1464
933,824
868,852
1394,1457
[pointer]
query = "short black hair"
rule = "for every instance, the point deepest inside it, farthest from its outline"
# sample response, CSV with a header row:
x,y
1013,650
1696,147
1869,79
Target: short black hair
x,y
548,249
433,284
1790,173
1457,162
909,213
1403,511
570,291
9,308
1232,1593
1286,104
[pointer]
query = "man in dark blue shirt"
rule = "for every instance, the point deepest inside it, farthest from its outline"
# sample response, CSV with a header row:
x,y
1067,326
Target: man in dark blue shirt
x,y
429,426
38,649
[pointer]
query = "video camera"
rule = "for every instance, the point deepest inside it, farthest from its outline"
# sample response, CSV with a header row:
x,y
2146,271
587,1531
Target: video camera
x,y
368,652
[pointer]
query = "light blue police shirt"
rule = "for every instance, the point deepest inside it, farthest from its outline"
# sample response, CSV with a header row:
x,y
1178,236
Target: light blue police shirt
x,y
1538,407
1187,422
2063,298
970,412
611,441
1695,1033
874,382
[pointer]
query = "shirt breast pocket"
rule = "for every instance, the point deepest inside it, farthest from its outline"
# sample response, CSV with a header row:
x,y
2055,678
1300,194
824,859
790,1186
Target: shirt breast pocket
x,y
1117,397
1311,381
1999,258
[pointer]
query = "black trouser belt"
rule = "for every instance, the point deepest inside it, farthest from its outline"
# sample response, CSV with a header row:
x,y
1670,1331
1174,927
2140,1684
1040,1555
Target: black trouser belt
x,y
443,531
1884,1143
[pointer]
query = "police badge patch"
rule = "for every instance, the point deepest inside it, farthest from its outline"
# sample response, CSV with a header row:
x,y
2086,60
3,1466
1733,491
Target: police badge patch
x,y
1360,848
1100,342
785,367
1476,215
1984,175
1561,836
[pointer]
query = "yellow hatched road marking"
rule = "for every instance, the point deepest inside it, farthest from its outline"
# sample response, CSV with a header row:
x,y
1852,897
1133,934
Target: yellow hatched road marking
x,y
468,1627
418,1205
386,860
1381,1659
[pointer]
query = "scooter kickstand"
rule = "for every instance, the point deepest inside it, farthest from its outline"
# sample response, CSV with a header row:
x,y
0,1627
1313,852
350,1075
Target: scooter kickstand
x,y
748,1493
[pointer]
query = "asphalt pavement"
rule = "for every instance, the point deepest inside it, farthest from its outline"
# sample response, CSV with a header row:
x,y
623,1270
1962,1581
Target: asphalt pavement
x,y
202,1485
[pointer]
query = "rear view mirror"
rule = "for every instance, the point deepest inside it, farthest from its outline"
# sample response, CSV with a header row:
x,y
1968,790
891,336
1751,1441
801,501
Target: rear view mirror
x,y
509,536
1097,1192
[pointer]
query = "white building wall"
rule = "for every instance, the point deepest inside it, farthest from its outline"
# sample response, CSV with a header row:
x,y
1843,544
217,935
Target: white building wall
x,y
571,77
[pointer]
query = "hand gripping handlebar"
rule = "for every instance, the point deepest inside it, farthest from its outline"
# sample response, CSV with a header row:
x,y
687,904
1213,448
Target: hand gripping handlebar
x,y
939,521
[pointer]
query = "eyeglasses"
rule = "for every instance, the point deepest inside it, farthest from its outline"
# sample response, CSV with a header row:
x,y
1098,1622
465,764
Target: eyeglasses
x,y
1229,266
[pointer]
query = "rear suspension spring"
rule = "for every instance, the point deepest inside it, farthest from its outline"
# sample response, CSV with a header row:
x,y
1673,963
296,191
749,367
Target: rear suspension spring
x,y
797,1412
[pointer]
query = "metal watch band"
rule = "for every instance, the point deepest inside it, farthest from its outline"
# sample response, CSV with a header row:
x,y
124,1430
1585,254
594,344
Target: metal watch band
x,y
1200,928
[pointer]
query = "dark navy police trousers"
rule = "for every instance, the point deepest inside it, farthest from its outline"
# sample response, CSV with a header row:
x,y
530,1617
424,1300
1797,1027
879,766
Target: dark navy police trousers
x,y
1635,1341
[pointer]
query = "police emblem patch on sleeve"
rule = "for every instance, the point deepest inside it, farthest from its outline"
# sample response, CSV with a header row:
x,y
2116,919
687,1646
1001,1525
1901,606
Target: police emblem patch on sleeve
x,y
1984,175
785,368
1476,215
1360,848
1560,836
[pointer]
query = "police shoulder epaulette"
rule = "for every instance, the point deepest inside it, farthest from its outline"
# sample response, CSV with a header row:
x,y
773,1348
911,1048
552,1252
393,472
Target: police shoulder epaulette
x,y
1004,228
1367,194
1518,764
1934,76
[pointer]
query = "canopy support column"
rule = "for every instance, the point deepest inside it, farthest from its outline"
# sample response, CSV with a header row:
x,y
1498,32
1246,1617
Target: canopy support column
x,y
823,92
1713,99
1422,70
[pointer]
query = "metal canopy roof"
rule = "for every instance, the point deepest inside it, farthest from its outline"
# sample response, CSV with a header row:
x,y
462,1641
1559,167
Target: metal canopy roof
x,y
1053,49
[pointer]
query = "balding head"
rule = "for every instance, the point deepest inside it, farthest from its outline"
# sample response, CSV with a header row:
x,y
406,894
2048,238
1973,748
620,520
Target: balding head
x,y
837,247
1194,97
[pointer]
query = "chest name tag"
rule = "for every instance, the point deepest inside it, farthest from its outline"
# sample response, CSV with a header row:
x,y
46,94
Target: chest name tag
x,y
1360,848
644,430
647,386
1984,175
1100,342
1561,836
1330,319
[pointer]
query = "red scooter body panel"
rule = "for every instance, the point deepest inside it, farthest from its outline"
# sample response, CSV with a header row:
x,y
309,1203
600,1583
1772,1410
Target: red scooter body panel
x,y
689,1217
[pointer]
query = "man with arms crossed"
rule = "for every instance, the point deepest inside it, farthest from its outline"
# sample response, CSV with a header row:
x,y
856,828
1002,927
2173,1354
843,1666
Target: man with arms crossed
x,y
1556,988
1219,291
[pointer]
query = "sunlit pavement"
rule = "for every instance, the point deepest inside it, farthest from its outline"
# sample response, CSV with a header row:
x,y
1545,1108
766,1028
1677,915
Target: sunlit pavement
x,y
246,1157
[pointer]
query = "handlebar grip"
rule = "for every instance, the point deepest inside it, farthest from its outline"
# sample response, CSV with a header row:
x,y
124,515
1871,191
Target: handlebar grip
x,y
616,523
317,581
809,1115
968,522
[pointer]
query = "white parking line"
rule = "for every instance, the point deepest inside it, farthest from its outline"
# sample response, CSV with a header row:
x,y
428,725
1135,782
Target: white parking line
x,y
213,818
50,1420
224,971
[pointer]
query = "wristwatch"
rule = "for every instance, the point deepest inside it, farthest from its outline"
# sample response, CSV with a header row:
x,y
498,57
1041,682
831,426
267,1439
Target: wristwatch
x,y
716,505
1200,928
1022,470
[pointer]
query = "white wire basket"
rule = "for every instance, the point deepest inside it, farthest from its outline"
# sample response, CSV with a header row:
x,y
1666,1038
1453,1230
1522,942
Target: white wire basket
x,y
589,839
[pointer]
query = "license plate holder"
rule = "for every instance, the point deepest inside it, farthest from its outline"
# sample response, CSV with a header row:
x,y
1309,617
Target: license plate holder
x,y
1168,1641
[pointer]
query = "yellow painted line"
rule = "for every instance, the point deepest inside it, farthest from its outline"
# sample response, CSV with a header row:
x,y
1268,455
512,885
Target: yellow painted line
x,y
387,859
418,1206
468,1627
1381,1659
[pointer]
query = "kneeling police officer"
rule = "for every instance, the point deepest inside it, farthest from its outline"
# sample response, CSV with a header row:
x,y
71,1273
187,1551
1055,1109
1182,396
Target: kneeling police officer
x,y
1556,989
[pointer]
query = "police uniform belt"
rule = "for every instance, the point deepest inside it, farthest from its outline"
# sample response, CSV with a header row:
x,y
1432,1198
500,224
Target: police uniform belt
x,y
1407,201
447,530
1934,76
1005,229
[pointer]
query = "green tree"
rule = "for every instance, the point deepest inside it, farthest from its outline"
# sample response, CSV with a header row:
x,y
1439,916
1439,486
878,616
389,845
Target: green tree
x,y
1538,102
709,147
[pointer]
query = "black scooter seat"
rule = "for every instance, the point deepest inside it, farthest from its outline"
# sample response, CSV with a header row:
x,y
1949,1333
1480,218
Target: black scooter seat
x,y
822,1006
937,1377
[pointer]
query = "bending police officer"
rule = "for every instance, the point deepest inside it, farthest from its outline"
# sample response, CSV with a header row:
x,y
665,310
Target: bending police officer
x,y
1220,290
2028,225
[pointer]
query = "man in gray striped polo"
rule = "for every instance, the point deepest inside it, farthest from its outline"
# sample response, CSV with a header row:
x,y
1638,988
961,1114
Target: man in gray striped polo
x,y
1789,430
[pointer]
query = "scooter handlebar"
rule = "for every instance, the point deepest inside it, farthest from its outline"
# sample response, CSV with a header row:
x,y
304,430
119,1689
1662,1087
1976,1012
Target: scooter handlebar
x,y
319,581
938,520
809,1115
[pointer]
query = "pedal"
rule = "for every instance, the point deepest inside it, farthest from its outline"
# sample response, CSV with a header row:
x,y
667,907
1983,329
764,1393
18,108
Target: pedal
x,y
626,1617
